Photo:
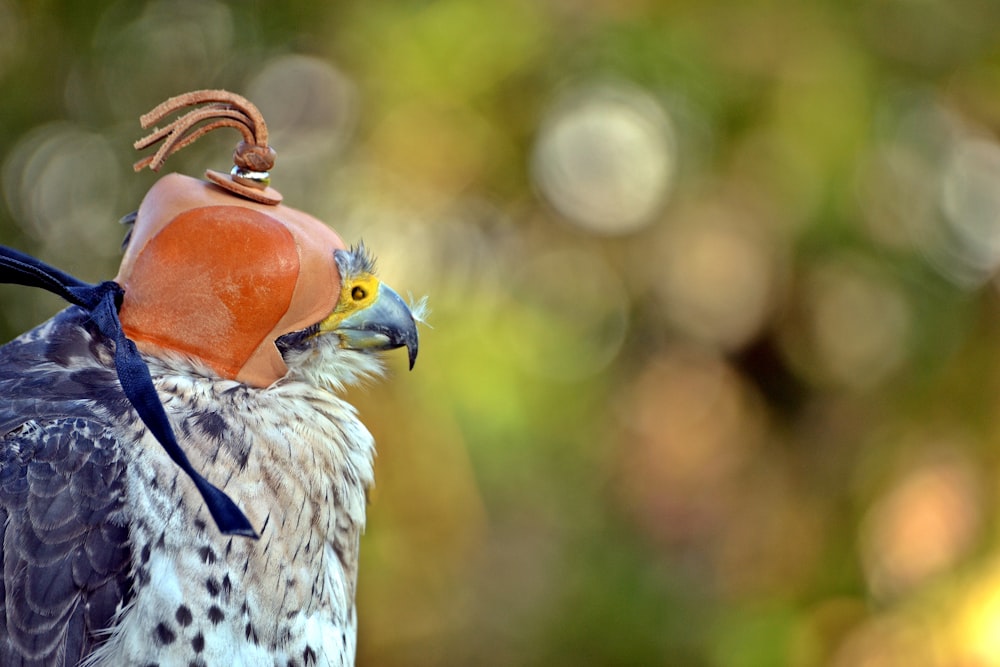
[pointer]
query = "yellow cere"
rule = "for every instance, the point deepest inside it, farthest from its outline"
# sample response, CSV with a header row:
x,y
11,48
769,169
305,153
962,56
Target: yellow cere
x,y
355,294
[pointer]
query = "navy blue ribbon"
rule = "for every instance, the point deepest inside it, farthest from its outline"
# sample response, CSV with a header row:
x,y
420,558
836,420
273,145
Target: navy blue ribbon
x,y
102,301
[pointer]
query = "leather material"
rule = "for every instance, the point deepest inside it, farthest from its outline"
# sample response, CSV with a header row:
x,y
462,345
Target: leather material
x,y
219,278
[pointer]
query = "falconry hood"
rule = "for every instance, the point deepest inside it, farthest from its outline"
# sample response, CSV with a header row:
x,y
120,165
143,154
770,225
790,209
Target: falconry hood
x,y
218,269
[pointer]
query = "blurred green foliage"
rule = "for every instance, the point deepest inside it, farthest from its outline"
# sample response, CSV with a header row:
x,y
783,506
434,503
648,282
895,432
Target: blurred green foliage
x,y
711,376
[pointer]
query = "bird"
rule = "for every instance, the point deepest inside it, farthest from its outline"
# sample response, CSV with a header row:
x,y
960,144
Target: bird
x,y
227,530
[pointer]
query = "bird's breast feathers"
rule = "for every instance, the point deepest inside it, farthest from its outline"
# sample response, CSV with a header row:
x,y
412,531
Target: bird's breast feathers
x,y
299,462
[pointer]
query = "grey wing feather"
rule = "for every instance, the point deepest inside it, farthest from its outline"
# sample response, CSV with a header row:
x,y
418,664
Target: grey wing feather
x,y
64,555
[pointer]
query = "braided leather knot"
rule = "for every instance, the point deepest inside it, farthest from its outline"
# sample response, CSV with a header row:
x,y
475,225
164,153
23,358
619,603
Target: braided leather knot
x,y
253,158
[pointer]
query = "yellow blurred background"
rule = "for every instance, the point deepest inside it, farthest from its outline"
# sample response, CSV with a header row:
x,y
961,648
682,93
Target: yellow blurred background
x,y
712,373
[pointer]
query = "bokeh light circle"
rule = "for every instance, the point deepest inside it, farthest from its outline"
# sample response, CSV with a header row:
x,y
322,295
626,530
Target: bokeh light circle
x,y
605,158
850,325
61,183
715,272
310,105
921,525
970,200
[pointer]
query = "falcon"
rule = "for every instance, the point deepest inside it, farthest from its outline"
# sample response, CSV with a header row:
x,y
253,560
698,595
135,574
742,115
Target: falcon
x,y
181,482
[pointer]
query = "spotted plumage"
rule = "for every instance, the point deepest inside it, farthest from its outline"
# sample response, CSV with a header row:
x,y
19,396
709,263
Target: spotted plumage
x,y
109,556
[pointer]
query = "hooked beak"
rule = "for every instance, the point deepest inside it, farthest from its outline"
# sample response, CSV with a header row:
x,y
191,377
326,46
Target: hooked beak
x,y
385,324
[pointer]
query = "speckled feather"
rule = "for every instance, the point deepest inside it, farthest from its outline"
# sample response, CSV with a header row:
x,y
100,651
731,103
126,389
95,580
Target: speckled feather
x,y
109,556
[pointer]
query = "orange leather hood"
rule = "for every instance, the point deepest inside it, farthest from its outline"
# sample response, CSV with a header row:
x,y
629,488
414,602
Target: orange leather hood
x,y
220,278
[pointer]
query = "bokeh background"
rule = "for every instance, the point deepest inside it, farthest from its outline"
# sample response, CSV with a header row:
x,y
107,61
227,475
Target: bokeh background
x,y
712,376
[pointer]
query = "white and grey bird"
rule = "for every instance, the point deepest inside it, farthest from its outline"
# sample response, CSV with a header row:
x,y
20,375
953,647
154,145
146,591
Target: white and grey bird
x,y
251,317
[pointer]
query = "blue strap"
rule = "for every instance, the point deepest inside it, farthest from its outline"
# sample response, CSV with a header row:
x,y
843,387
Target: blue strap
x,y
102,301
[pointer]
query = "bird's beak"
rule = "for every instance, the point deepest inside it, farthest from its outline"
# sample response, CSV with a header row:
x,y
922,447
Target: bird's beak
x,y
385,324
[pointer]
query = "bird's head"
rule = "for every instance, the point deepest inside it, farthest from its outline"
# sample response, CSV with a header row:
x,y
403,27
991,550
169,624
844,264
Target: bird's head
x,y
219,273
369,317
255,291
